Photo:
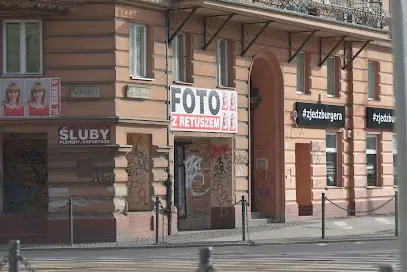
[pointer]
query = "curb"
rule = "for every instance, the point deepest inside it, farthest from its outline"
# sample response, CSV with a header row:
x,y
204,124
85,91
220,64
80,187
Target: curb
x,y
213,244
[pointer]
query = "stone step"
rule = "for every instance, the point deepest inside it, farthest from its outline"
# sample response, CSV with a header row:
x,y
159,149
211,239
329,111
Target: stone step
x,y
260,221
257,215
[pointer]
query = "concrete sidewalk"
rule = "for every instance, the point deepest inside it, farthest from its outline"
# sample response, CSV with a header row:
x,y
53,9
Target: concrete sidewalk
x,y
337,230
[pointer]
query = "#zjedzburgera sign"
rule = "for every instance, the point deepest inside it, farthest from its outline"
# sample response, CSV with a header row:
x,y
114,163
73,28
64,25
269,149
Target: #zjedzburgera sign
x,y
205,110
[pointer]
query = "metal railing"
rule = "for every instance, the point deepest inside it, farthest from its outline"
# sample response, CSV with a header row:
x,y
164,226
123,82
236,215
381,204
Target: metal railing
x,y
358,12
369,211
160,211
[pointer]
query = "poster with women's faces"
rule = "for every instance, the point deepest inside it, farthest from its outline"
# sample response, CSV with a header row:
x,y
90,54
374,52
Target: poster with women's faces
x,y
229,111
30,97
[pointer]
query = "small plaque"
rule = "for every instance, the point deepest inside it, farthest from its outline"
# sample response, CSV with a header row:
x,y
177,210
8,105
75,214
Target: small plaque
x,y
85,92
137,92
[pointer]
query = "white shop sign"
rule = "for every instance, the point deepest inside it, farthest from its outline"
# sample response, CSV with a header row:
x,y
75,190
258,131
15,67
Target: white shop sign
x,y
205,110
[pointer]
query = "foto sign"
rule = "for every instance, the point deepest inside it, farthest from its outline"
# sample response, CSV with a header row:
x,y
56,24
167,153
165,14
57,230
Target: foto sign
x,y
205,110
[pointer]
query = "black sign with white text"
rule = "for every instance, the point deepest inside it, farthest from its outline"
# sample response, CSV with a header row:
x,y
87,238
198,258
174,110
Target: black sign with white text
x,y
320,115
380,118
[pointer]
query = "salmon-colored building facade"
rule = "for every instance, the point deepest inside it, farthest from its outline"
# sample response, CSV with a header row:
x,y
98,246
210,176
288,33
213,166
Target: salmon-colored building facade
x,y
196,102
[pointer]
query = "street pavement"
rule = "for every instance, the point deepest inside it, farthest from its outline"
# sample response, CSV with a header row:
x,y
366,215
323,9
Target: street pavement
x,y
350,256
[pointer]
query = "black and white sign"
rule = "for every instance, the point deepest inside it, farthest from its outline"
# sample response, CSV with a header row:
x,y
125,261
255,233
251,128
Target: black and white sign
x,y
320,115
380,118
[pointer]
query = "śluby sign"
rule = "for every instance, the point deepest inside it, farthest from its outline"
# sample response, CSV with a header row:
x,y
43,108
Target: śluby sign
x,y
205,110
83,135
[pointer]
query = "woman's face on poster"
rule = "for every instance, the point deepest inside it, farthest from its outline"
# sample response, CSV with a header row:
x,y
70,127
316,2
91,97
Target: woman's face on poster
x,y
38,94
12,94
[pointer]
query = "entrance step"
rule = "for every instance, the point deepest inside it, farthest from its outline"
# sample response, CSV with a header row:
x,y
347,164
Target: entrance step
x,y
305,210
258,219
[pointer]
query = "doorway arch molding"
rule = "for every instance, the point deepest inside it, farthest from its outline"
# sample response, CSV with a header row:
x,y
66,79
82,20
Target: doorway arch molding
x,y
267,57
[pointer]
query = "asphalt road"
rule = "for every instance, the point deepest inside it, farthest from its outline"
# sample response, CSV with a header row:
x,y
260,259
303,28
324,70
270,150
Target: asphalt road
x,y
359,256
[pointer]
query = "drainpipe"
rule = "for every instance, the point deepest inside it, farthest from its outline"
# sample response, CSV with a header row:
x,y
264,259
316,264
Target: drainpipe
x,y
351,194
167,87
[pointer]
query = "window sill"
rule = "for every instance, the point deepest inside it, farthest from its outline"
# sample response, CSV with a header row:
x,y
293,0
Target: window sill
x,y
301,93
333,187
333,96
374,187
183,83
142,78
23,75
225,87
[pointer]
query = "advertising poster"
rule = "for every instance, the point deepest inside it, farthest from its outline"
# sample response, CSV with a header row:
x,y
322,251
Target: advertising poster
x,y
204,110
30,97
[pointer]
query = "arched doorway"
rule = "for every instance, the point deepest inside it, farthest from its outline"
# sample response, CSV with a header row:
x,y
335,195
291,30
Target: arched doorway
x,y
267,137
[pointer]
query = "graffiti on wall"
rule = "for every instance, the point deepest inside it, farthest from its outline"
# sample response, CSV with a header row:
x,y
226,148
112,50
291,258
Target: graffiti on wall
x,y
193,172
317,153
25,175
221,156
100,176
138,171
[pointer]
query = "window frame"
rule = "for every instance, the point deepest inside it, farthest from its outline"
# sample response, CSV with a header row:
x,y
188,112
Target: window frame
x,y
373,84
218,64
376,153
332,150
132,53
23,48
176,60
303,72
331,60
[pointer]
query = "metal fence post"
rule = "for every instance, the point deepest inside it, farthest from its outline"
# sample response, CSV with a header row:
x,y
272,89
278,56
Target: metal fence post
x,y
157,218
14,256
386,268
71,221
396,213
323,215
243,219
205,260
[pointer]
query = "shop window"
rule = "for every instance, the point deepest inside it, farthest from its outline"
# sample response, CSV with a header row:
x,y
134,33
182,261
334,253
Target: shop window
x,y
222,63
372,80
331,159
333,76
395,171
138,51
22,47
372,160
179,54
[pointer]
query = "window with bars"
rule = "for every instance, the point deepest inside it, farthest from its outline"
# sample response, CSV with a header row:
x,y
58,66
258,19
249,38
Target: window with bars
x,y
222,63
138,51
395,169
331,159
179,58
372,160
22,47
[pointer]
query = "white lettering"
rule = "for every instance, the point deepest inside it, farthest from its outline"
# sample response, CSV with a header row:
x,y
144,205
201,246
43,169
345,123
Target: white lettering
x,y
104,133
63,134
93,134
